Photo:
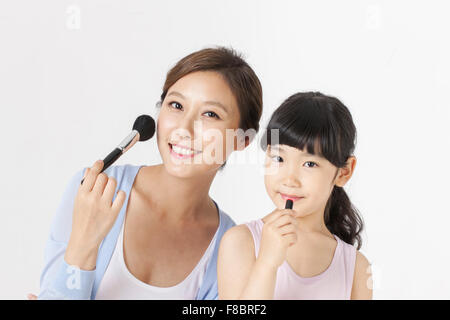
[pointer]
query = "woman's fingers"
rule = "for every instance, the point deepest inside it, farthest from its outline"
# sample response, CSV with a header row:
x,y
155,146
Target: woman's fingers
x,y
91,176
110,188
118,201
31,296
94,213
100,183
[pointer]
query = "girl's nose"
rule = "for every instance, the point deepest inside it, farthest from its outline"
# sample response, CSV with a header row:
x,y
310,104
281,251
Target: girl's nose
x,y
292,182
292,178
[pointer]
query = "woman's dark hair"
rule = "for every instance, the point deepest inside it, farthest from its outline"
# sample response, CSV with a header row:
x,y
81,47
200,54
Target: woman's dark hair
x,y
240,77
323,125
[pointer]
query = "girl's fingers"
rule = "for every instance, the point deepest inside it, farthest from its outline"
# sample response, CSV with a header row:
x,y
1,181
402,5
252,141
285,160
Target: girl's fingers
x,y
284,220
291,238
276,214
287,211
289,228
271,216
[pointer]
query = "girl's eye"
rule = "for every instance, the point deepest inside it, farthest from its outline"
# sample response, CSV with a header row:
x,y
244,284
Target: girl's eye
x,y
277,158
176,105
311,164
212,114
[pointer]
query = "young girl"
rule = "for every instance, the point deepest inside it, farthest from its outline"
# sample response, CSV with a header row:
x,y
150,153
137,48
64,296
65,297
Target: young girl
x,y
305,252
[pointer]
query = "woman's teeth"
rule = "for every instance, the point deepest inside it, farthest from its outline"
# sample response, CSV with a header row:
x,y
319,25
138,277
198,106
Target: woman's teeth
x,y
182,151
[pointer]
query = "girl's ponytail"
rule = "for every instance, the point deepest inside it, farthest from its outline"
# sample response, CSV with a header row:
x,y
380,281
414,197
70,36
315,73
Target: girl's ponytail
x,y
342,218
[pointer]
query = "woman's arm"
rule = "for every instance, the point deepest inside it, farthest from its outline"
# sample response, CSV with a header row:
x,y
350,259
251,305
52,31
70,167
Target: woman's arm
x,y
362,279
86,215
59,280
239,274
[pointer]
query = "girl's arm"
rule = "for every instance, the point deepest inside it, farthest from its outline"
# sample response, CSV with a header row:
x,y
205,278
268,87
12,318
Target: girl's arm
x,y
362,279
239,274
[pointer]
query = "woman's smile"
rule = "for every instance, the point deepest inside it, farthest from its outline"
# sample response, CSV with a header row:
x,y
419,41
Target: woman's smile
x,y
182,152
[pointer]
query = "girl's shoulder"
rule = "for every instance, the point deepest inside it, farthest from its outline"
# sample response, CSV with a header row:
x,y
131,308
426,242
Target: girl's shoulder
x,y
362,264
239,238
238,233
362,280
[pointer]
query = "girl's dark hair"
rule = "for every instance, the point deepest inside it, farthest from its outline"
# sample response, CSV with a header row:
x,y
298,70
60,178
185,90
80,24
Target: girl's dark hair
x,y
323,125
240,77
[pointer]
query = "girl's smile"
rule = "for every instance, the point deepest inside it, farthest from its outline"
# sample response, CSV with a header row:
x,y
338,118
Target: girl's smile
x,y
290,197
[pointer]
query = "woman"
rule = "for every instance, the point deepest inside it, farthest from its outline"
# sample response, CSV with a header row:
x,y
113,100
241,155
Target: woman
x,y
153,232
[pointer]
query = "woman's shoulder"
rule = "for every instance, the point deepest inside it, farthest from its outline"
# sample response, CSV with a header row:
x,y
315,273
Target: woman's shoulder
x,y
123,170
117,171
124,174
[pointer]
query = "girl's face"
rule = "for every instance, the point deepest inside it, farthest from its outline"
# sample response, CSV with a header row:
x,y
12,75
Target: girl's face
x,y
192,123
298,175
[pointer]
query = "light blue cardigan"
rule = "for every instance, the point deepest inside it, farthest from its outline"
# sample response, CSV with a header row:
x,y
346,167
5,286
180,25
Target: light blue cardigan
x,y
61,281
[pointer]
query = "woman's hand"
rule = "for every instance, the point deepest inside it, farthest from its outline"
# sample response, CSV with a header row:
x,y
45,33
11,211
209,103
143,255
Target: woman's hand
x,y
94,214
31,296
278,234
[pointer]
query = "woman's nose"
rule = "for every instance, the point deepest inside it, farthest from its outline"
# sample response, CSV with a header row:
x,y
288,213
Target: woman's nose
x,y
180,134
185,127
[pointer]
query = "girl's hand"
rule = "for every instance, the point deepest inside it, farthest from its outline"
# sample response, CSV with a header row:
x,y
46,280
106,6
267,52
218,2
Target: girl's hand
x,y
94,214
278,234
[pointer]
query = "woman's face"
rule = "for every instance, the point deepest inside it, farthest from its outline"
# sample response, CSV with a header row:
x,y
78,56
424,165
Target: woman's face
x,y
298,175
192,124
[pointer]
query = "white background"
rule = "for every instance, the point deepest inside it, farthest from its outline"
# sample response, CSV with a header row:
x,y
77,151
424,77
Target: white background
x,y
74,75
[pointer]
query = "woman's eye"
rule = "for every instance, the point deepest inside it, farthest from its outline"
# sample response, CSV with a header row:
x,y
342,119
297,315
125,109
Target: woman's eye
x,y
176,105
212,114
310,164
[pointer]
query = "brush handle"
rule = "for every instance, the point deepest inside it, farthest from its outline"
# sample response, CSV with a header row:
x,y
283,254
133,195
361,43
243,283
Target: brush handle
x,y
109,160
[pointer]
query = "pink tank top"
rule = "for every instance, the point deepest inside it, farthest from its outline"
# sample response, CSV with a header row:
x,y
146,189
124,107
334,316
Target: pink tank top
x,y
335,283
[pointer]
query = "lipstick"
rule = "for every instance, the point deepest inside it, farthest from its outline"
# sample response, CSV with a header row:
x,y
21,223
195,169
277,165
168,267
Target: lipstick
x,y
289,204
